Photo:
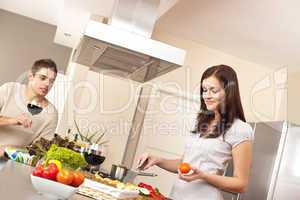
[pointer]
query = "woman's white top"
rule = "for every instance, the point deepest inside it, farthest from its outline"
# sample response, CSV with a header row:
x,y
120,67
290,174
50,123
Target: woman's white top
x,y
209,155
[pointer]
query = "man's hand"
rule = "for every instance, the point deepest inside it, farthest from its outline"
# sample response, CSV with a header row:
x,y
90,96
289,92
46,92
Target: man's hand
x,y
23,120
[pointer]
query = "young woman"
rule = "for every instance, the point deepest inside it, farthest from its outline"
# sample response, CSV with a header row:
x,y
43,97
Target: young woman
x,y
221,134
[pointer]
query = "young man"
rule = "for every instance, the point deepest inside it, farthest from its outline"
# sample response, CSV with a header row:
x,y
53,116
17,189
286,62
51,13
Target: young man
x,y
25,113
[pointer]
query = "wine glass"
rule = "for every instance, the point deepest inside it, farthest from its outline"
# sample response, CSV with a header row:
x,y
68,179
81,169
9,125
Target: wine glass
x,y
94,156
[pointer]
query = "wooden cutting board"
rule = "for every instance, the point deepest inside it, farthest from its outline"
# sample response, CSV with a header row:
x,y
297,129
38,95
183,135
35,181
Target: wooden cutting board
x,y
98,195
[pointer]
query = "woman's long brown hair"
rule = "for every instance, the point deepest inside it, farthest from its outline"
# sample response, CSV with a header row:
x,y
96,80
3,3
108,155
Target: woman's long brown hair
x,y
232,108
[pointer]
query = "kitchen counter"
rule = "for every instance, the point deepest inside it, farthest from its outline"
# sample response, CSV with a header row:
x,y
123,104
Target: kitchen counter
x,y
16,184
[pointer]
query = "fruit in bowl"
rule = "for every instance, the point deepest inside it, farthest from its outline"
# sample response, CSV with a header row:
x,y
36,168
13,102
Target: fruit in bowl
x,y
52,189
55,182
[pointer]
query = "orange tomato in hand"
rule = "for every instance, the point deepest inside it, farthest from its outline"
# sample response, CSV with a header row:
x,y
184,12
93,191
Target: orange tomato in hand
x,y
78,179
184,168
65,177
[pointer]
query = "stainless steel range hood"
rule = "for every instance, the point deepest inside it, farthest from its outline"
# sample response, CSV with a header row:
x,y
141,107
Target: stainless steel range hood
x,y
124,47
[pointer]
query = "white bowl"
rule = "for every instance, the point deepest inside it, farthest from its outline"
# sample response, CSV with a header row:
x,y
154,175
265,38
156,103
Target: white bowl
x,y
51,189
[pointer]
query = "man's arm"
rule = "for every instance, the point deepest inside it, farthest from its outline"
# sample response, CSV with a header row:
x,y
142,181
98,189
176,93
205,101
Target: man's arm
x,y
22,120
7,121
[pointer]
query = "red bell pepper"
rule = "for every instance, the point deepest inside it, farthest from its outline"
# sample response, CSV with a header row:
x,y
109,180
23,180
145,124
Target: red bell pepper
x,y
154,192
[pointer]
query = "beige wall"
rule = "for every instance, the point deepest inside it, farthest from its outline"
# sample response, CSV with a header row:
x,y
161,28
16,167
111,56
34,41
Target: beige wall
x,y
24,40
258,106
100,103
294,97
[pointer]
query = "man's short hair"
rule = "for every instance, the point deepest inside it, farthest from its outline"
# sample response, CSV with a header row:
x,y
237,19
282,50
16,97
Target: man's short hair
x,y
43,63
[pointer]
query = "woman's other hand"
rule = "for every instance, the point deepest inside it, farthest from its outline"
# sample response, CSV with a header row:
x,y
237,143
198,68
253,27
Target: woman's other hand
x,y
194,174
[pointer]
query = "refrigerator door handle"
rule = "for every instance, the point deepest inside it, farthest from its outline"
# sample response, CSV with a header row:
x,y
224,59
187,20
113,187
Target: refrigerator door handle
x,y
278,159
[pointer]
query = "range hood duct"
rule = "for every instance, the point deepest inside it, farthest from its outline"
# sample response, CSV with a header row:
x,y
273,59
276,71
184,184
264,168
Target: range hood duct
x,y
124,46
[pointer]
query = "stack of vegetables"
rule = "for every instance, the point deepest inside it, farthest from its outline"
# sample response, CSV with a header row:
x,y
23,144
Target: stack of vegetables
x,y
62,165
39,147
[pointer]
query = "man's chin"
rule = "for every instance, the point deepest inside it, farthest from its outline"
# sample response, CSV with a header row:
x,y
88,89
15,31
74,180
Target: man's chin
x,y
42,94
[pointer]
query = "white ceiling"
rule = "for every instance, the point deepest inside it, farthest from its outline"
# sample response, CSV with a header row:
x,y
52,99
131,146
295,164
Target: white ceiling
x,y
265,31
262,31
46,11
70,16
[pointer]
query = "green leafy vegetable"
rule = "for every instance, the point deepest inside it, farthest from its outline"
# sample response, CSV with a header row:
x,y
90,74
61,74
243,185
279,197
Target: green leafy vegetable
x,y
68,158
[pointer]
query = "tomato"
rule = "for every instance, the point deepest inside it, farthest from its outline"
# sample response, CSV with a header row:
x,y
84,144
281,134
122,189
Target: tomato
x,y
184,168
48,174
65,177
78,179
38,171
56,162
53,168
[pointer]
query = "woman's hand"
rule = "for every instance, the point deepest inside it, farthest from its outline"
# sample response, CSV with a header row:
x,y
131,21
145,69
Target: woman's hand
x,y
196,174
146,161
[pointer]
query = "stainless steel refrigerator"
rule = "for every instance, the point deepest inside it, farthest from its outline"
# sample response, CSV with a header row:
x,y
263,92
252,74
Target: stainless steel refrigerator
x,y
275,170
